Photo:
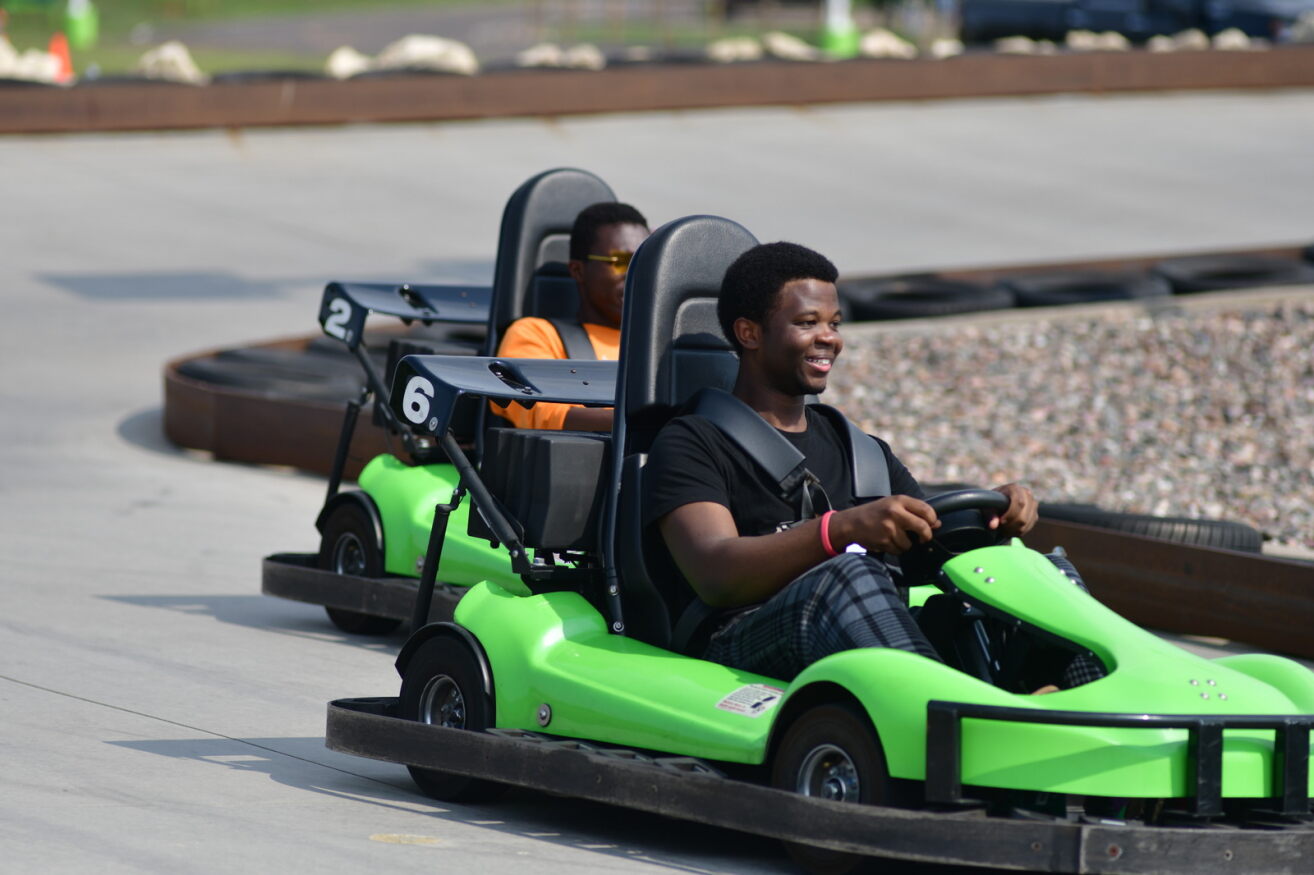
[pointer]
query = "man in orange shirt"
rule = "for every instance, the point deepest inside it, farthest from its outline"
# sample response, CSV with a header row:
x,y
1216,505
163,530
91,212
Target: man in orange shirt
x,y
602,240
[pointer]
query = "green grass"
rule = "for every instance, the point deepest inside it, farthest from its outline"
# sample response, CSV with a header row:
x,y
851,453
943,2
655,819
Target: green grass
x,y
32,22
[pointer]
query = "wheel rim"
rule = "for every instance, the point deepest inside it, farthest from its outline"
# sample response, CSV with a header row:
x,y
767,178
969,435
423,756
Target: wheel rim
x,y
349,555
829,773
442,704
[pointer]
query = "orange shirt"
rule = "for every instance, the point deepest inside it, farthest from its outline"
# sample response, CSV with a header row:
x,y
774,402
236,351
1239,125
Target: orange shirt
x,y
535,338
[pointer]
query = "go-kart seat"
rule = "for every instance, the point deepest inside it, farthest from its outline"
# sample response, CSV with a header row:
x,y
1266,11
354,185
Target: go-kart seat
x,y
530,277
545,480
673,347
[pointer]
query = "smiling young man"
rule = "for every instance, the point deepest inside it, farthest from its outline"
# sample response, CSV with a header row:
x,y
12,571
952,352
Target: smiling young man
x,y
602,241
787,592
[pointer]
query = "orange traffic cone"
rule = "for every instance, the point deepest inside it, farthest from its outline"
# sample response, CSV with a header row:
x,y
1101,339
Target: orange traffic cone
x,y
59,48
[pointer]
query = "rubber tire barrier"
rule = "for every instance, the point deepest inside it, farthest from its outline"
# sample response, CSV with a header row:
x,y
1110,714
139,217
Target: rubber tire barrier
x,y
1207,273
1219,534
254,376
914,297
1084,287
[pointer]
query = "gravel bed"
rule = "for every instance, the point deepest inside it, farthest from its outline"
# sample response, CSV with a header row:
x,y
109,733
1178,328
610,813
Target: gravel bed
x,y
1193,410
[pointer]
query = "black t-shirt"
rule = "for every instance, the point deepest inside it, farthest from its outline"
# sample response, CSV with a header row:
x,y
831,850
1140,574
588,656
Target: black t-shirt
x,y
692,460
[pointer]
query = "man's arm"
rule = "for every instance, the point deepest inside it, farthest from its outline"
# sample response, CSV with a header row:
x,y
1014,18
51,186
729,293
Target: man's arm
x,y
587,419
729,570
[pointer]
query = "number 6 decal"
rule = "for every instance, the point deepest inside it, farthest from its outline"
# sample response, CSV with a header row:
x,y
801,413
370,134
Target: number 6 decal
x,y
336,324
415,400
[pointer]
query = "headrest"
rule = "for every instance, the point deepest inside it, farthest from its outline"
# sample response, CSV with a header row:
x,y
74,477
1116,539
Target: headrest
x,y
672,341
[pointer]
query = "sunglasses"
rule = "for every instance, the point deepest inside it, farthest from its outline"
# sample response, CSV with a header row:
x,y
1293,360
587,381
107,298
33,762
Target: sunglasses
x,y
618,259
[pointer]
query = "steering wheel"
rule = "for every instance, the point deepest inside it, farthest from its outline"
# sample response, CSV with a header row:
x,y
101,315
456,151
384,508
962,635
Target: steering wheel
x,y
964,525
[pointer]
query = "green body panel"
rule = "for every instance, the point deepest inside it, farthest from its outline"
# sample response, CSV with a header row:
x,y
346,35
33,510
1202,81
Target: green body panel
x,y
555,649
406,496
1147,675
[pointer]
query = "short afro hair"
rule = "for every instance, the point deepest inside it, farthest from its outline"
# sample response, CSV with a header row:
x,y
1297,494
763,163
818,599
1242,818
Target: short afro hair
x,y
752,283
596,216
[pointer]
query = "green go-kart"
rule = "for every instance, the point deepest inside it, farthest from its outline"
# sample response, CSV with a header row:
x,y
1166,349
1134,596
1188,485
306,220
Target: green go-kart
x,y
570,677
374,539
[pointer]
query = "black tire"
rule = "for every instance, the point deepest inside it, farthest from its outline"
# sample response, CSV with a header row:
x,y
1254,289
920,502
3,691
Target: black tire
x,y
444,685
1207,273
295,365
1084,287
254,377
913,297
349,545
1220,534
831,751
1308,253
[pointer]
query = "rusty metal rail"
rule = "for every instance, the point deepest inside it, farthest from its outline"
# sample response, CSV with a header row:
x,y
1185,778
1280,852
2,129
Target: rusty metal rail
x,y
412,98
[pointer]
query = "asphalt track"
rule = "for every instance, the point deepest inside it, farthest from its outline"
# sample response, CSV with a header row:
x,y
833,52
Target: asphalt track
x,y
158,713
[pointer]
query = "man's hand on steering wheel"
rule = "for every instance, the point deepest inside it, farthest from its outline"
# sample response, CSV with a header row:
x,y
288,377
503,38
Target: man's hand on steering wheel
x,y
891,525
1021,514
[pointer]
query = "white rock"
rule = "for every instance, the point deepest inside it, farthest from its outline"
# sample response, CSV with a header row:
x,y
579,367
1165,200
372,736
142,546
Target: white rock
x,y
36,66
882,43
1191,40
173,62
1231,40
1302,31
8,56
425,52
734,48
1082,40
1015,45
1112,41
584,56
1161,43
346,62
1046,47
788,47
541,55
946,48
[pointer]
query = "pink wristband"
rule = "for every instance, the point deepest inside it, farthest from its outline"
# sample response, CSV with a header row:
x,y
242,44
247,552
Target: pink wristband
x,y
825,534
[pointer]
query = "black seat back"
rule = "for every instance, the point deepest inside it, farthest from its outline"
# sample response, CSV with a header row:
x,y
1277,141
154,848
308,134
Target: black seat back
x,y
671,346
530,277
543,479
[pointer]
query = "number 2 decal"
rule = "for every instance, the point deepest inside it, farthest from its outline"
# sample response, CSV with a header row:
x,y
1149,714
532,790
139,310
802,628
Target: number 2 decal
x,y
336,324
415,400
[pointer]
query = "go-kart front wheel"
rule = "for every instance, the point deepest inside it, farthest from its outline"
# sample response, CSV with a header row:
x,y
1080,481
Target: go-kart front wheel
x,y
831,751
443,686
349,546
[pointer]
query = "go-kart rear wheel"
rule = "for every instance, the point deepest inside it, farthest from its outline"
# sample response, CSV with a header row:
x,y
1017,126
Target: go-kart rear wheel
x,y
443,685
349,546
831,751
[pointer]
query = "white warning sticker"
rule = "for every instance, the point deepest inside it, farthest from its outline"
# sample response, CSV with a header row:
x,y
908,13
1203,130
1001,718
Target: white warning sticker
x,y
753,700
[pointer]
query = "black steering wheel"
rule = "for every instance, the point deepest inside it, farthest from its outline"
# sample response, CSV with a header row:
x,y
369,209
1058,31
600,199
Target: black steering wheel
x,y
964,525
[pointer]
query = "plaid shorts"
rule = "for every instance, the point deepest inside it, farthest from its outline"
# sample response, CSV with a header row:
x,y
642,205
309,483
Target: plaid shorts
x,y
845,602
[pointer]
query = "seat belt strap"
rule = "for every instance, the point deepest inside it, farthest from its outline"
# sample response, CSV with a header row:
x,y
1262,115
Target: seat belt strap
x,y
575,339
871,470
780,459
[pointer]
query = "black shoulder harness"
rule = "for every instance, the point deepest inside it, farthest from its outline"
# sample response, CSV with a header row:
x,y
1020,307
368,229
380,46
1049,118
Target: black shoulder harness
x,y
781,461
575,339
